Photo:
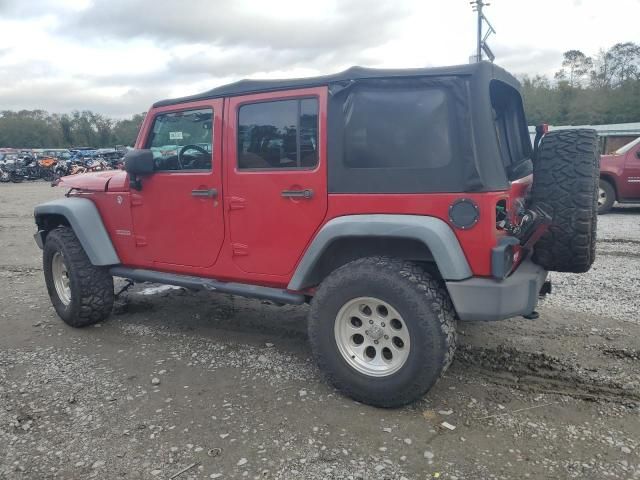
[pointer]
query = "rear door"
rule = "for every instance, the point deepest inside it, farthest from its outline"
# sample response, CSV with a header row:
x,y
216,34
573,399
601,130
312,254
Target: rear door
x,y
177,215
276,180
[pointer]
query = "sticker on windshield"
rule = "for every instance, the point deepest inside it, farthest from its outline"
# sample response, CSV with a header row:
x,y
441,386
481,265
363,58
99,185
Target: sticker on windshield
x,y
175,135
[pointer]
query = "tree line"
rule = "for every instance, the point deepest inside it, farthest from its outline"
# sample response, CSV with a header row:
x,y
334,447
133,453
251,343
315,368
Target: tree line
x,y
40,129
599,89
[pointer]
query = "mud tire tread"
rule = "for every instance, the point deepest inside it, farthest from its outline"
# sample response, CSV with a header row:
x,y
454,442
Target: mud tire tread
x,y
92,294
565,184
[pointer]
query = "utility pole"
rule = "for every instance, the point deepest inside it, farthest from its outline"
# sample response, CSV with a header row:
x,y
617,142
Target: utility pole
x,y
477,6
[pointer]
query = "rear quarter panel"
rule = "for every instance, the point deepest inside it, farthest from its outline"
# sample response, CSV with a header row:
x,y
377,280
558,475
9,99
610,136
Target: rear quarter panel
x,y
476,242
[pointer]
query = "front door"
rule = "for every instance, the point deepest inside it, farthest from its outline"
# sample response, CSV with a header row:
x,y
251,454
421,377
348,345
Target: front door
x,y
630,184
276,174
177,214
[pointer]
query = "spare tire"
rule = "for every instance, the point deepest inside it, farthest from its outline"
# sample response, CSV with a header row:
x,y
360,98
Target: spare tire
x,y
565,185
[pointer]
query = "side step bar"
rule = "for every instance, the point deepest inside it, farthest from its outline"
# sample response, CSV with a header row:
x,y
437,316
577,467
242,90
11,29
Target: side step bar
x,y
198,283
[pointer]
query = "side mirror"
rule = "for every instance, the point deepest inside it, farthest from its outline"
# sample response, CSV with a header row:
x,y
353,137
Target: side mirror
x,y
138,162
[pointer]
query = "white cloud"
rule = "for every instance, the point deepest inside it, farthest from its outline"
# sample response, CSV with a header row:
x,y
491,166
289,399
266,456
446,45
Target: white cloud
x,y
117,56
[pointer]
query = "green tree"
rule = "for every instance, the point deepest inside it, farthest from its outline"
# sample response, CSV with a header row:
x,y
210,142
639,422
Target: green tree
x,y
575,65
125,131
625,59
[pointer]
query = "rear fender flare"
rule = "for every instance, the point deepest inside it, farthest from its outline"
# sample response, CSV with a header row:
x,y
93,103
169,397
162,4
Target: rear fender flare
x,y
433,232
85,220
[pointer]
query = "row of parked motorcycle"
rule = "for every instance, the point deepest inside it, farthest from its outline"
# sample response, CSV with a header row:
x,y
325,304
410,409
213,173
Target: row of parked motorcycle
x,y
50,165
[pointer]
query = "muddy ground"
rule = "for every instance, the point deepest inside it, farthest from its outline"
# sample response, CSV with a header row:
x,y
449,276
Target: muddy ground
x,y
181,385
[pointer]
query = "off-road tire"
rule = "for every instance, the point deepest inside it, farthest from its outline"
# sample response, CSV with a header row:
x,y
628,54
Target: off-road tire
x,y
609,197
424,304
91,287
17,178
565,185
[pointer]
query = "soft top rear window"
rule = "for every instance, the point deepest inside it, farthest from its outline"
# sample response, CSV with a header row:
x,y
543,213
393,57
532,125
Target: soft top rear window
x,y
511,129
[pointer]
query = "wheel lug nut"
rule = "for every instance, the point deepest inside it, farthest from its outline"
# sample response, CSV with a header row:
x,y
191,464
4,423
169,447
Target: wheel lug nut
x,y
386,337
382,324
371,322
375,341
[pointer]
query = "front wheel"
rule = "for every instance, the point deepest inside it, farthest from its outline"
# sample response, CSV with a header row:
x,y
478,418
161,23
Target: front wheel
x,y
382,330
81,293
606,197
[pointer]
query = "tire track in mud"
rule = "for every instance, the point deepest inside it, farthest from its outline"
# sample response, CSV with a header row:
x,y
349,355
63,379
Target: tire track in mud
x,y
619,247
541,372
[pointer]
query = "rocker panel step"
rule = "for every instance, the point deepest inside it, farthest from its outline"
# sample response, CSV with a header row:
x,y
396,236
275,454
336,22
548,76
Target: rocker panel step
x,y
199,283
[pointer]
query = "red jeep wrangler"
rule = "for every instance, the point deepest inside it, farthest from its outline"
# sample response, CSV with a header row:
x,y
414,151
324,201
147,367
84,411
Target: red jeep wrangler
x,y
395,202
620,177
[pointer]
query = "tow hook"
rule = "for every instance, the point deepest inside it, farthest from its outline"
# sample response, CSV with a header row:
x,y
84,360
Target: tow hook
x,y
544,290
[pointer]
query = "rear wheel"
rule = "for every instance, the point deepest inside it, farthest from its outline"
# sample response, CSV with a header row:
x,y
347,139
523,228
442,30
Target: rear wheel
x,y
606,196
382,330
81,293
16,178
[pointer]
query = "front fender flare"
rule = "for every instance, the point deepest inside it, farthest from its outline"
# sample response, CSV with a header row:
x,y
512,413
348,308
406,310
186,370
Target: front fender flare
x,y
85,220
433,232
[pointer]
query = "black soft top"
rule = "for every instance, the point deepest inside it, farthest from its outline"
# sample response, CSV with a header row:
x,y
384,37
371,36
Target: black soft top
x,y
482,72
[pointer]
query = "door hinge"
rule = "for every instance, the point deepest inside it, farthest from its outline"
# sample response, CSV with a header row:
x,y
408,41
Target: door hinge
x,y
141,241
239,249
236,203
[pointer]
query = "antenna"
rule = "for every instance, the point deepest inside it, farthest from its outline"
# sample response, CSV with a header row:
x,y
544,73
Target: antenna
x,y
477,6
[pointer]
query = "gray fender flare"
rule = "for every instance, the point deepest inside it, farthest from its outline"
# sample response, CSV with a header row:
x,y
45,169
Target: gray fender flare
x,y
433,232
84,218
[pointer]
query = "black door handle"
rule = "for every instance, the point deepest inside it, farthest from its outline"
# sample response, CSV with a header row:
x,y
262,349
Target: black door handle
x,y
211,192
306,193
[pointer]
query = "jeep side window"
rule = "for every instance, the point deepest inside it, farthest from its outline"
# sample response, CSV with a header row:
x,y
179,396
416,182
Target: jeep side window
x,y
182,140
403,128
281,134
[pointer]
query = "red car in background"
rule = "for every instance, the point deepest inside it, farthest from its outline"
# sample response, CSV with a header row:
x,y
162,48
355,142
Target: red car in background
x,y
620,177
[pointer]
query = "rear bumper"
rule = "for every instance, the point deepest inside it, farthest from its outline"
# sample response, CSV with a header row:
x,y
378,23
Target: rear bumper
x,y
491,299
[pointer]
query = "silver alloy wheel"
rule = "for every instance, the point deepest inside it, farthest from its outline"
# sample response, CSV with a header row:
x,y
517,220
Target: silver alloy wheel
x,y
602,197
372,337
60,276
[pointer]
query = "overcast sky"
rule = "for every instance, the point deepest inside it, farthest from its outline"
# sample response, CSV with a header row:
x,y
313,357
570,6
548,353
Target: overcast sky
x,y
118,56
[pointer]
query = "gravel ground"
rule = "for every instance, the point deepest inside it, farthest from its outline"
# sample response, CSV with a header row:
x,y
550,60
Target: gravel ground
x,y
182,385
611,287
